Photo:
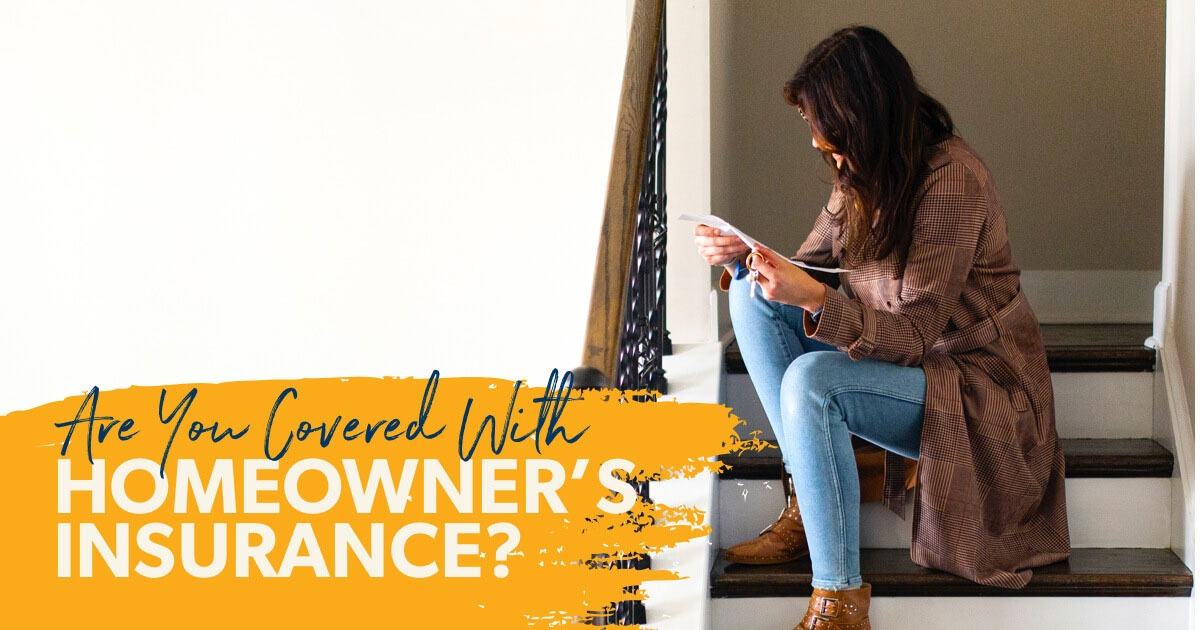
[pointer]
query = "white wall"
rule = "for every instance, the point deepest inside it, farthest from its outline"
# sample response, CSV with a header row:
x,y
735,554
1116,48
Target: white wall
x,y
226,190
691,315
1174,411
1174,390
1179,185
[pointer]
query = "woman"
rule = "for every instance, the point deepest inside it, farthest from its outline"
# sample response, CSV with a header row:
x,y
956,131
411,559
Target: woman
x,y
932,353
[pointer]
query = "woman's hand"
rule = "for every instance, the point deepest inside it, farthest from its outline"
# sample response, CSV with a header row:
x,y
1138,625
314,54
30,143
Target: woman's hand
x,y
717,249
783,282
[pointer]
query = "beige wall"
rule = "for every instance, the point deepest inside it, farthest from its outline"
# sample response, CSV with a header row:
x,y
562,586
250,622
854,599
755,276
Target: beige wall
x,y
1063,100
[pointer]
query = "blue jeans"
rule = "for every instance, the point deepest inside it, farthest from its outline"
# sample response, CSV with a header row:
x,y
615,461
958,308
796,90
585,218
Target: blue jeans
x,y
815,397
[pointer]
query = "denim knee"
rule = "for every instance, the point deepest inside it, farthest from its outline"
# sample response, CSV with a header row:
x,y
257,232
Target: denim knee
x,y
742,304
805,384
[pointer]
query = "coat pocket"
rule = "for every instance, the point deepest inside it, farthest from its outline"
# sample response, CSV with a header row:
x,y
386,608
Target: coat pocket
x,y
1004,376
1016,391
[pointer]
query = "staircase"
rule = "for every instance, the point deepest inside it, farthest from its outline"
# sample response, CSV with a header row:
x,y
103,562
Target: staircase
x,y
1118,506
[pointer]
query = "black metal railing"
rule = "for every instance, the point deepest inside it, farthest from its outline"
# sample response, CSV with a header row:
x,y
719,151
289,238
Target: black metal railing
x,y
644,339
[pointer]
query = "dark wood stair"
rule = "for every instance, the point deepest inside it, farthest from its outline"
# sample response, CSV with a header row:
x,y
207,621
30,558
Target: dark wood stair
x,y
1087,573
1085,458
1121,572
1069,348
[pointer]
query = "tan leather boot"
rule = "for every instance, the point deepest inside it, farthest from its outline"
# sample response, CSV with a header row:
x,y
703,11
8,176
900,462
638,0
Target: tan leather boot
x,y
781,541
784,540
838,610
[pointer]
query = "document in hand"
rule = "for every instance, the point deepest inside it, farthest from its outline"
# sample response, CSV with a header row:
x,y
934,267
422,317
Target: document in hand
x,y
728,229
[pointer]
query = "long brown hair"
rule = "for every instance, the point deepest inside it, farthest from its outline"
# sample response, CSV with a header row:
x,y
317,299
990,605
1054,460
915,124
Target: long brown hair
x,y
861,101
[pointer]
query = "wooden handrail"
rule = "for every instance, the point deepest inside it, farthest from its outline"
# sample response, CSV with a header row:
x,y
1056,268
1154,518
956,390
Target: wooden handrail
x,y
610,282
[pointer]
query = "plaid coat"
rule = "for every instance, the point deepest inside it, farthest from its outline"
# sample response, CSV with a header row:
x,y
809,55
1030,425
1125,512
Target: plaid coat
x,y
990,483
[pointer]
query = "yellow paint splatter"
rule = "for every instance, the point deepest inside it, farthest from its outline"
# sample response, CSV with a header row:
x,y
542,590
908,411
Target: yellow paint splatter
x,y
550,578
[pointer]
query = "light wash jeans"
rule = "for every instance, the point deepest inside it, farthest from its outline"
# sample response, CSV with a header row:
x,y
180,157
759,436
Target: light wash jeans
x,y
815,397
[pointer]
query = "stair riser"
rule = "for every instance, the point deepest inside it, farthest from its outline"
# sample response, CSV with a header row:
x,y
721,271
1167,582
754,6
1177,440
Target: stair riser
x,y
1100,513
678,604
952,613
1086,404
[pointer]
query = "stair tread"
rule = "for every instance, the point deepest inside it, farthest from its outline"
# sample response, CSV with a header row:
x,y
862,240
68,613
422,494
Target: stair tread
x,y
1137,457
891,572
1069,348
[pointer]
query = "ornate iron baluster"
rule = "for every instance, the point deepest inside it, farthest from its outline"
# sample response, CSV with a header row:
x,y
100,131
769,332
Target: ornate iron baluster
x,y
645,339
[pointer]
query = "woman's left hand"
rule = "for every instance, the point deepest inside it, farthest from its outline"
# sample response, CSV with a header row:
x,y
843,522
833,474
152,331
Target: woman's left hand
x,y
783,282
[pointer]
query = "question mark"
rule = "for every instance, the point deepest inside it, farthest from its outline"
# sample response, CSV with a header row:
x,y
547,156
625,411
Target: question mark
x,y
513,537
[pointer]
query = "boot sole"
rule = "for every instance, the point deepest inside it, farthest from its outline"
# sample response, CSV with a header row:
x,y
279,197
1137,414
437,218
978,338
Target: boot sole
x,y
762,561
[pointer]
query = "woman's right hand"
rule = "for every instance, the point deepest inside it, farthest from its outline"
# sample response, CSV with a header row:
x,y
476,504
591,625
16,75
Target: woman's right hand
x,y
717,249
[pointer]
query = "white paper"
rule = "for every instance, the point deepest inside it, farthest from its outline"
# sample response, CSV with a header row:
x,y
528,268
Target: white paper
x,y
727,229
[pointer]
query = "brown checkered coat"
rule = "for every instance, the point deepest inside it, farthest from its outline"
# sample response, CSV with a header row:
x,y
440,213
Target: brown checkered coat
x,y
990,488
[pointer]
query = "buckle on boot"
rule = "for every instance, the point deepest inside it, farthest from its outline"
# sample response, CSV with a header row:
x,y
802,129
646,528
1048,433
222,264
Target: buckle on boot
x,y
828,606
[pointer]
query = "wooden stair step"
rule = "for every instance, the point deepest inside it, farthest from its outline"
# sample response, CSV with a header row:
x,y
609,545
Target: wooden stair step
x,y
891,573
1085,458
1069,348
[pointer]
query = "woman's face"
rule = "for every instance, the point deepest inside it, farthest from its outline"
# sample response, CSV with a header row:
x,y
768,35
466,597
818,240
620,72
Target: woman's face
x,y
837,157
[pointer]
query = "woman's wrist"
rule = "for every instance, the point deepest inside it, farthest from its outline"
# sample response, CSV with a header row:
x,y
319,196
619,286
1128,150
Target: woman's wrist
x,y
817,301
738,262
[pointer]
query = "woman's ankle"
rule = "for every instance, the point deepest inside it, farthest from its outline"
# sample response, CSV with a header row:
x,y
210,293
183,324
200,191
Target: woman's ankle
x,y
844,585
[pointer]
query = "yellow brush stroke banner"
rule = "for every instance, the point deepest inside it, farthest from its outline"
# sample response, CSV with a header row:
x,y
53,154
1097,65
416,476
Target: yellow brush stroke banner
x,y
408,502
